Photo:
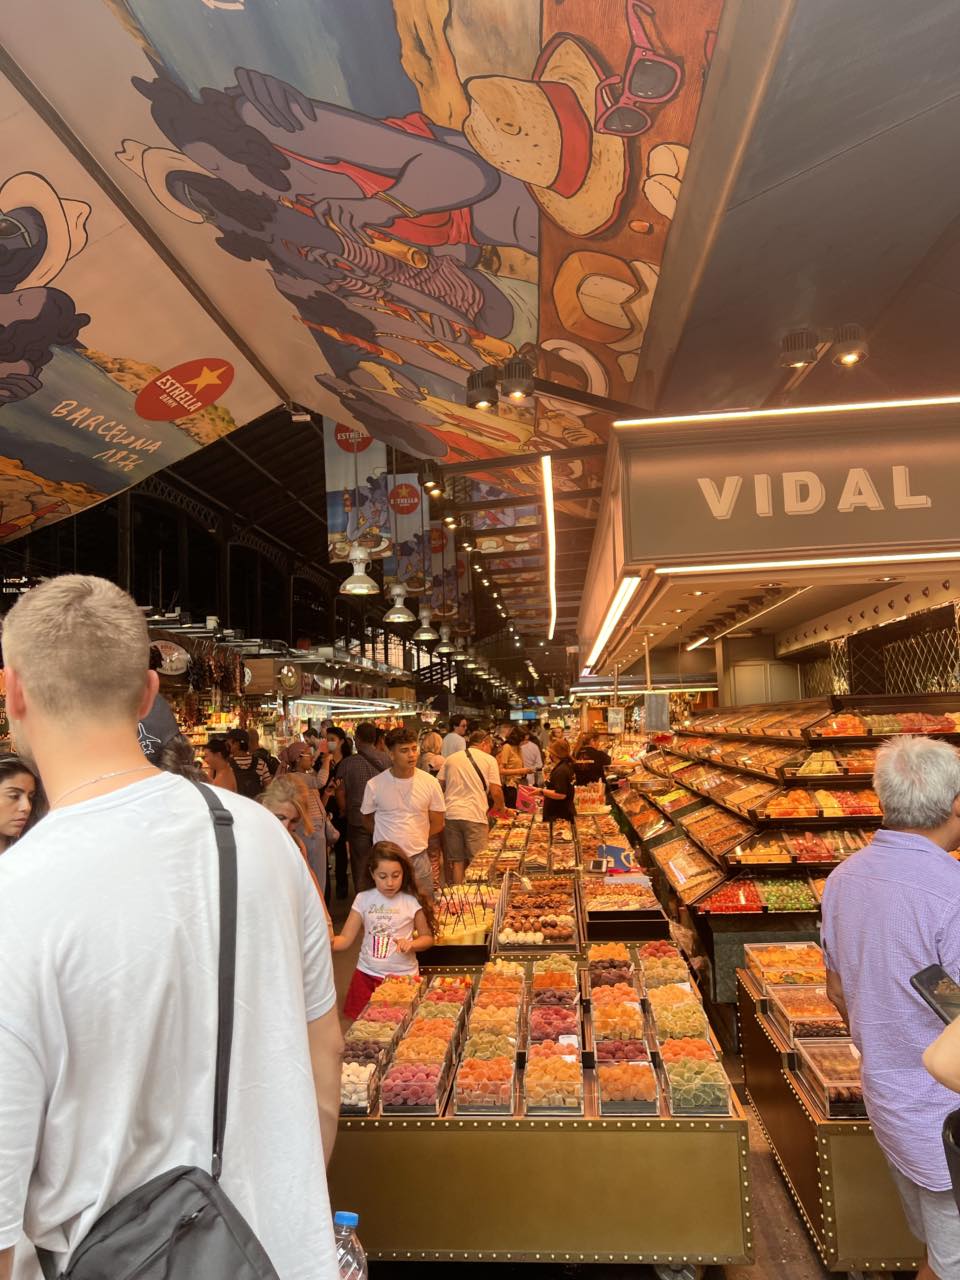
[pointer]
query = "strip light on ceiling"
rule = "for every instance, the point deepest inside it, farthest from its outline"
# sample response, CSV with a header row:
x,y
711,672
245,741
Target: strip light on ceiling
x,y
799,411
621,599
745,622
546,465
813,562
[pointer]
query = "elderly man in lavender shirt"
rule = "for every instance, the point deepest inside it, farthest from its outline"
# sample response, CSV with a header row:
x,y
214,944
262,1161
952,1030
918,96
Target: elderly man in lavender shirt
x,y
889,911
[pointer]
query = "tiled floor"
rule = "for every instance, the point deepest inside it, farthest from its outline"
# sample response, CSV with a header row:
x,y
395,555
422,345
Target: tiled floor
x,y
783,1246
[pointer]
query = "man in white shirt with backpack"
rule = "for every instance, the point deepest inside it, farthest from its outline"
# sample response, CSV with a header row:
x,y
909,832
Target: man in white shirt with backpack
x,y
471,784
111,1020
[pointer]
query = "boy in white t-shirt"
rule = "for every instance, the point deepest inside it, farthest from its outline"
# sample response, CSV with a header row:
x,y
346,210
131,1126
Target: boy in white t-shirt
x,y
405,805
396,920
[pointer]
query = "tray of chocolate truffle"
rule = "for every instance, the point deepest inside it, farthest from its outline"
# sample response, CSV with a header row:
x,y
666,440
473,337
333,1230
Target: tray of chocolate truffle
x,y
830,1070
804,1013
538,914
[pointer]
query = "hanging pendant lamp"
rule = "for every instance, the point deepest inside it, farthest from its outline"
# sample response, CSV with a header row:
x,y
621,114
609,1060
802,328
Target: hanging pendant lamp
x,y
398,611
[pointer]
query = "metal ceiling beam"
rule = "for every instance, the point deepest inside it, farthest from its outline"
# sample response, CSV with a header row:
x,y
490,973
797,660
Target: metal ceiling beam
x,y
505,462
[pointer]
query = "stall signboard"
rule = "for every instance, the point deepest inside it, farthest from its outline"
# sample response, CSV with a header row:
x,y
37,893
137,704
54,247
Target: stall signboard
x,y
841,481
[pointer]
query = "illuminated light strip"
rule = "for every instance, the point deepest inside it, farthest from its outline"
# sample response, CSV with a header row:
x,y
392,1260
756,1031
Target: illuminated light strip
x,y
801,411
546,466
819,562
624,691
621,599
745,622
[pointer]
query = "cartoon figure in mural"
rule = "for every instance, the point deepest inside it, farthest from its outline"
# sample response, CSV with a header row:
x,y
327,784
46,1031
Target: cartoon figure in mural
x,y
385,233
39,234
365,524
411,559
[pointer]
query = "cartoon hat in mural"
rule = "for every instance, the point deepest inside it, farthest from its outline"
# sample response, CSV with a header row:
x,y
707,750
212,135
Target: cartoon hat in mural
x,y
155,165
64,222
541,131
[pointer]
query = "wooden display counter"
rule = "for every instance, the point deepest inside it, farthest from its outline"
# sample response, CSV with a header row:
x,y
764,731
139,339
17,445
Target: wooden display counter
x,y
674,1193
834,1169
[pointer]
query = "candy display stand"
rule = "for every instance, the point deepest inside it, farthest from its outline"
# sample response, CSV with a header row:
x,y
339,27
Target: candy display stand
x,y
834,1169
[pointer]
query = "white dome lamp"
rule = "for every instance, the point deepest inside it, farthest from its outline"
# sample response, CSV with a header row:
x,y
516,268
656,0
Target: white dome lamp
x,y
425,634
471,662
446,648
359,583
398,611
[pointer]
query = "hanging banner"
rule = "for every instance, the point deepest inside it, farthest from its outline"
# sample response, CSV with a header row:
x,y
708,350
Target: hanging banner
x,y
406,561
358,509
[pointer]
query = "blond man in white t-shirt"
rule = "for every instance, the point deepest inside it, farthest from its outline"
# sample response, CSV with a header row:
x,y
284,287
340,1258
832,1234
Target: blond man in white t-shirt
x,y
109,936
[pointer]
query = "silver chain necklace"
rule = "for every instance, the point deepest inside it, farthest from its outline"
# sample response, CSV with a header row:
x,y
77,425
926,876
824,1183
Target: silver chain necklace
x,y
117,773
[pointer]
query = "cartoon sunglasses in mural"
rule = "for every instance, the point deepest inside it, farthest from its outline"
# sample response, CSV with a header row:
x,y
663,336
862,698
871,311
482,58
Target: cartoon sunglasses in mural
x,y
650,79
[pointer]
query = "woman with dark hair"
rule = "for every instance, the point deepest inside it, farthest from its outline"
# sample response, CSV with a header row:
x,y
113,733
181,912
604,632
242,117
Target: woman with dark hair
x,y
216,757
512,767
22,803
558,794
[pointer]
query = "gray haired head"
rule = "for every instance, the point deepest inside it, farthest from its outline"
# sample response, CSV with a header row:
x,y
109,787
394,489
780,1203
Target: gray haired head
x,y
917,780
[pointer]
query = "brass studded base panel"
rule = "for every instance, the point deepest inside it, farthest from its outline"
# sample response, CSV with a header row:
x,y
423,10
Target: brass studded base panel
x,y
834,1169
586,1190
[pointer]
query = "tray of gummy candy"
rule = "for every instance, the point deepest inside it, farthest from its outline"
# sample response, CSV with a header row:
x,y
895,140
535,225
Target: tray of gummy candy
x,y
553,1083
359,1086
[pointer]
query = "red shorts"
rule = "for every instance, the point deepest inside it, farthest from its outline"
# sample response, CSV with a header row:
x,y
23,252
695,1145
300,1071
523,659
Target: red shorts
x,y
362,986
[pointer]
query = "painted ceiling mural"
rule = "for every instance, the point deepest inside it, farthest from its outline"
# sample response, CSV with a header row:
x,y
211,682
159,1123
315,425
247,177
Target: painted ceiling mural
x,y
380,197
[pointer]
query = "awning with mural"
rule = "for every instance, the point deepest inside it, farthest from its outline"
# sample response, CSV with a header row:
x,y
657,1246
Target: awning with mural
x,y
209,207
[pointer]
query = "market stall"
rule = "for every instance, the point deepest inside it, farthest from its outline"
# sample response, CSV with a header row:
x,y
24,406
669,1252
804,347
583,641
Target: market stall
x,y
561,1073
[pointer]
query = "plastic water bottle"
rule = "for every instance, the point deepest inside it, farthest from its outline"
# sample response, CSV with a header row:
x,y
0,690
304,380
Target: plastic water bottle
x,y
350,1255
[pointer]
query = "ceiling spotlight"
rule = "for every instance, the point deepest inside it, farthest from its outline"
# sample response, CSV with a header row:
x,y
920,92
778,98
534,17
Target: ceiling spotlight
x,y
471,663
398,611
482,388
798,349
485,581
517,380
359,583
468,545
446,647
850,346
450,521
425,634
431,479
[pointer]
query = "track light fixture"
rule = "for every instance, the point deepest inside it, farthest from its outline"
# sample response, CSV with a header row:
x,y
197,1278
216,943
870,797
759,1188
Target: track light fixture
x,y
516,382
482,388
799,348
850,346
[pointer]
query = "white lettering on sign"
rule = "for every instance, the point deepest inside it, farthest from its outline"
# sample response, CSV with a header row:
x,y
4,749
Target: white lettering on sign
x,y
804,493
721,501
859,491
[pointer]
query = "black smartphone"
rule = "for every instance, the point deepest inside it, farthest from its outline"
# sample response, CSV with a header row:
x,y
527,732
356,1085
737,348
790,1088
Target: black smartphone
x,y
939,990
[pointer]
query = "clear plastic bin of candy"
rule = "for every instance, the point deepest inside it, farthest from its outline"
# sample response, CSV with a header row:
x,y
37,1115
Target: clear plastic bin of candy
x,y
563,857
553,1086
499,1021
484,1086
612,976
617,1022
786,893
363,1051
441,1010
539,833
551,1022
498,998
661,964
431,1049
502,975
396,990
690,1049
381,1033
561,832
481,867
627,1088
610,893
635,1050
412,1088
488,1044
785,963
831,1071
697,1087
619,993
739,896
449,988
608,955
522,819
396,1015
537,858
804,1013
516,839
557,963
358,1088
564,1047
677,1014
825,846
555,998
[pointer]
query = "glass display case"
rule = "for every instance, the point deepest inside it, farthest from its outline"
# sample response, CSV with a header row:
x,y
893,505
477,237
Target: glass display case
x,y
413,1088
697,1087
485,1086
627,1088
358,1088
804,1013
831,1071
785,963
553,1085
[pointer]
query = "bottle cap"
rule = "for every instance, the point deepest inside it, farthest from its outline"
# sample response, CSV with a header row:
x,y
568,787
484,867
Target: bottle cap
x,y
345,1219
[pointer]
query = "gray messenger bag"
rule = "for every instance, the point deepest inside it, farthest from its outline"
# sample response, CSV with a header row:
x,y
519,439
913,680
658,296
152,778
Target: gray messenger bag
x,y
181,1225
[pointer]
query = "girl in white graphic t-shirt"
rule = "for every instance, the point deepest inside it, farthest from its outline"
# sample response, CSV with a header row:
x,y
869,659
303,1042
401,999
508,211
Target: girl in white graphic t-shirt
x,y
396,920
